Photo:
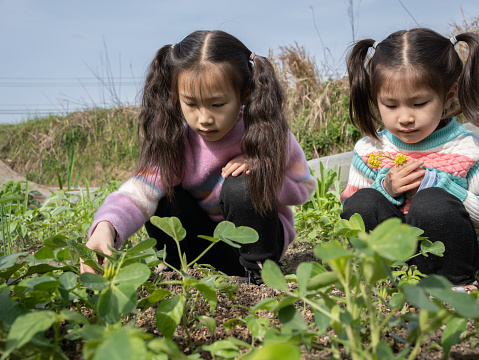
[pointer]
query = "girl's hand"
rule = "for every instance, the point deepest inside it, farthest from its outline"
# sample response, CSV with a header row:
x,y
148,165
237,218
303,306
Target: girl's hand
x,y
405,178
236,167
103,236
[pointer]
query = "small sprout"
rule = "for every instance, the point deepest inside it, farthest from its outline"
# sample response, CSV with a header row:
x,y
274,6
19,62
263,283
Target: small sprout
x,y
375,161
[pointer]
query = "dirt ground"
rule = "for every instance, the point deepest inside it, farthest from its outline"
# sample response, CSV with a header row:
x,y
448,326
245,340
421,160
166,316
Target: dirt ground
x,y
249,295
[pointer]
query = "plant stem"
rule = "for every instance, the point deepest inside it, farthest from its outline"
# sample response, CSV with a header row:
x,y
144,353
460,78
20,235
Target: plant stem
x,y
201,255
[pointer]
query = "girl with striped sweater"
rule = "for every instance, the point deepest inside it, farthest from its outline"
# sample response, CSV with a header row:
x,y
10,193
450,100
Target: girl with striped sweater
x,y
409,84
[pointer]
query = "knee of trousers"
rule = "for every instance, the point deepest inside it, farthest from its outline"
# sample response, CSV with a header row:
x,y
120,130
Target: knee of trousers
x,y
435,203
365,201
235,191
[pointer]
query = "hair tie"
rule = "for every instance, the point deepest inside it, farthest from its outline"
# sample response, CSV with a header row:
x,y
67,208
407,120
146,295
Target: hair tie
x,y
252,56
173,45
453,41
375,45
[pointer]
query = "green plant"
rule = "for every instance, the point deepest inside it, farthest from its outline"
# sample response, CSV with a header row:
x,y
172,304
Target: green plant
x,y
361,273
315,220
181,307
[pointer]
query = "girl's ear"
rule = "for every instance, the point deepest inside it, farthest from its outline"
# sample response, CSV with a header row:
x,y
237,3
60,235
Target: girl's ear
x,y
451,94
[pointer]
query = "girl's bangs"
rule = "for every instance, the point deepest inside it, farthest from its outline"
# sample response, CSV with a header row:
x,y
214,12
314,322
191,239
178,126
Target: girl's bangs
x,y
204,79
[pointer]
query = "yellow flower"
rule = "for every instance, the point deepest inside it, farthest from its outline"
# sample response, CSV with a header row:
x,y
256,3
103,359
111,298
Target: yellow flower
x,y
375,160
400,159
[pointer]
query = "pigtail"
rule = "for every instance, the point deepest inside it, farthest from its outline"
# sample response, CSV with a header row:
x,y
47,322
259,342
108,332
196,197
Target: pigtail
x,y
468,92
361,102
266,136
160,124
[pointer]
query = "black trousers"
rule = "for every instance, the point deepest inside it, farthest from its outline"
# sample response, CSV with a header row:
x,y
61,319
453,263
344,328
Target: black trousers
x,y
440,215
236,207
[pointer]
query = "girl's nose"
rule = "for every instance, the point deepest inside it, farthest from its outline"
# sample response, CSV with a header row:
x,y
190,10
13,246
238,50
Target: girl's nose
x,y
205,118
406,117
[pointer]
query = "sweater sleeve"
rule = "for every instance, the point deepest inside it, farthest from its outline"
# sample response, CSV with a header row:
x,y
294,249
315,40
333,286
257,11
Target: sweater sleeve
x,y
298,183
128,208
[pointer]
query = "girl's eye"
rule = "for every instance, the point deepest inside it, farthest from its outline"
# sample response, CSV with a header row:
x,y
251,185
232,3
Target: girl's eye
x,y
217,105
420,104
390,106
190,104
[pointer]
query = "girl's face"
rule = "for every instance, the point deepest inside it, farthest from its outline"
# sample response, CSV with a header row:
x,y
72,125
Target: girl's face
x,y
209,104
411,114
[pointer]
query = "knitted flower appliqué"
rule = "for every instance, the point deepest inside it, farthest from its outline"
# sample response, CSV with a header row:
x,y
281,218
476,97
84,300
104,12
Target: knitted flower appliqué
x,y
375,161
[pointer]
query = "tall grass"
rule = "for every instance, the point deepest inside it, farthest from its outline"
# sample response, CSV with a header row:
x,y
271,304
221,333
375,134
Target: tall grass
x,y
101,145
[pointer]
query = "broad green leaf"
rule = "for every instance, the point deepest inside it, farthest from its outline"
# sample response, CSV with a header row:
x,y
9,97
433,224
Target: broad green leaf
x,y
394,240
168,315
44,268
226,230
45,253
55,242
116,301
349,228
208,292
164,346
62,254
116,346
303,273
10,310
94,281
171,226
273,277
5,274
452,334
275,351
42,283
321,280
74,317
25,327
207,321
332,250
418,297
134,274
153,298
68,280
264,304
10,260
226,349
439,287
222,228
291,318
142,246
322,321
437,248
85,253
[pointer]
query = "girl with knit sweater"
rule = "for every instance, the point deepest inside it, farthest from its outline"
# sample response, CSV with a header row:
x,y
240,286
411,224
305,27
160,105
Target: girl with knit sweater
x,y
215,146
409,84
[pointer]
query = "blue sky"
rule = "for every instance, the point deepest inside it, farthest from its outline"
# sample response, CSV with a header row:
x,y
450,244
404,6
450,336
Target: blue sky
x,y
54,51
